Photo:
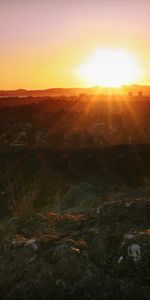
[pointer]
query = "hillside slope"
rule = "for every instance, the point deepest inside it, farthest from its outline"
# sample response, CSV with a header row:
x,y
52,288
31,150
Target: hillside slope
x,y
75,223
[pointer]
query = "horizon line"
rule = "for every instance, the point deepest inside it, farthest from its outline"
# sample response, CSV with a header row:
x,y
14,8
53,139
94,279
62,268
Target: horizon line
x,y
88,87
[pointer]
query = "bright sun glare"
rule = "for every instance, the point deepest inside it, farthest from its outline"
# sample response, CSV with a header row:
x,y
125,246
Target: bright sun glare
x,y
109,68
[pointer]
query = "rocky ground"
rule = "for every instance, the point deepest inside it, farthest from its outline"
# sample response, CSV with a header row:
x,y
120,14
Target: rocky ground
x,y
75,224
100,254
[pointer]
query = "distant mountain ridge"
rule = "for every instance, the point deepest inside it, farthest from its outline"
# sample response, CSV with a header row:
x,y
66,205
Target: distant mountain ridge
x,y
134,89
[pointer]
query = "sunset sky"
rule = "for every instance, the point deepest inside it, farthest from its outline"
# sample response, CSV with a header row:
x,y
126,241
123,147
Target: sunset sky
x,y
43,42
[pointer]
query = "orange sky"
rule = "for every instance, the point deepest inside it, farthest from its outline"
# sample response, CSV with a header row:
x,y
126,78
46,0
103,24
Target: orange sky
x,y
44,41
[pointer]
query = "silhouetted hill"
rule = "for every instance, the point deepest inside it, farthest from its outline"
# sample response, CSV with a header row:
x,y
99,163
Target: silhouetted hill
x,y
74,91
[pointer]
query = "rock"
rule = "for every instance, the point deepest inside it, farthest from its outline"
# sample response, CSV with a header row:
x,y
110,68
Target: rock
x,y
128,236
134,251
33,243
120,259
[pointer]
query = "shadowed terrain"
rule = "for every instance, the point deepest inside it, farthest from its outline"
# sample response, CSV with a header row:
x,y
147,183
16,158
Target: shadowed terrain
x,y
82,232
75,197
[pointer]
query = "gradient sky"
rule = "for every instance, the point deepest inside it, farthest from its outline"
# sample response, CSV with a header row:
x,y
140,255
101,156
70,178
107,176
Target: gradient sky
x,y
42,42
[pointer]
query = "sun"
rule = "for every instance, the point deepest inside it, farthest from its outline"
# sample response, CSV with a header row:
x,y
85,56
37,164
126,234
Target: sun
x,y
109,68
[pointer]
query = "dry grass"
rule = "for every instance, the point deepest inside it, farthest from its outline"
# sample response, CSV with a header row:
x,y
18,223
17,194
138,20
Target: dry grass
x,y
21,197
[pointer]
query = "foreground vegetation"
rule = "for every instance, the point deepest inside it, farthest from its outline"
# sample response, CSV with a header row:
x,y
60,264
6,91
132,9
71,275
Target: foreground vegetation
x,y
75,224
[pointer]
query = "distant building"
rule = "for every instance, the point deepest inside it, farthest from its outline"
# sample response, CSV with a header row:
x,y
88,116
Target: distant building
x,y
130,94
140,94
